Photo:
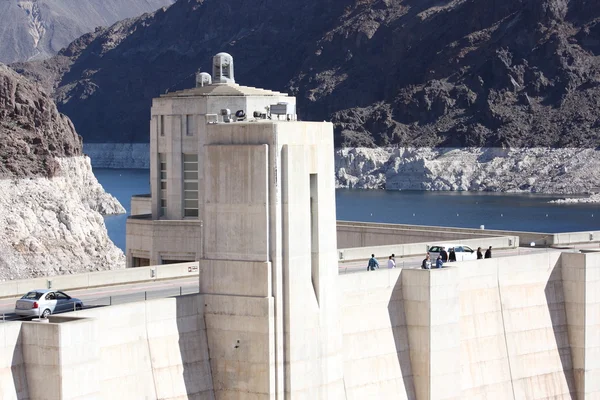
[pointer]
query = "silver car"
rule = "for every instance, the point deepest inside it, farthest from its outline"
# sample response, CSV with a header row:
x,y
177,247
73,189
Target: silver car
x,y
42,303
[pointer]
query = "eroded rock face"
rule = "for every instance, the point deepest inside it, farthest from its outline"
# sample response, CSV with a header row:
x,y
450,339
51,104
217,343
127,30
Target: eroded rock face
x,y
50,201
537,170
32,131
53,226
508,73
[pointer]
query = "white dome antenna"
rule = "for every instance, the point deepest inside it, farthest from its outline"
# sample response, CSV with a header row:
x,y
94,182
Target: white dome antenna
x,y
223,68
203,79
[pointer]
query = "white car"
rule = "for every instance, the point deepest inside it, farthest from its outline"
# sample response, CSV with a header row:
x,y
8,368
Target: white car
x,y
42,303
463,252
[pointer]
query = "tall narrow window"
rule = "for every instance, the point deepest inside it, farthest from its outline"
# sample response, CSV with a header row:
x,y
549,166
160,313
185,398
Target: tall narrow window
x,y
190,125
161,125
190,185
162,158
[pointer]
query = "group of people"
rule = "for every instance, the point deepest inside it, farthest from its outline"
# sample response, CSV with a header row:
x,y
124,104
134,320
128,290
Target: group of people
x,y
374,264
488,253
450,256
443,257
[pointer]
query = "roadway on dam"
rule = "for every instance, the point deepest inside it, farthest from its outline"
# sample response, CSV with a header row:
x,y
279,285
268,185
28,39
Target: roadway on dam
x,y
126,293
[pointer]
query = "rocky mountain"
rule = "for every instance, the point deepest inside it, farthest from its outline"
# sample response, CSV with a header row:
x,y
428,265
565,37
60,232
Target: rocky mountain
x,y
51,203
510,73
36,29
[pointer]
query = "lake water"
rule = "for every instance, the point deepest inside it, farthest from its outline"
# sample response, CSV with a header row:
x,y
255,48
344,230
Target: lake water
x,y
524,212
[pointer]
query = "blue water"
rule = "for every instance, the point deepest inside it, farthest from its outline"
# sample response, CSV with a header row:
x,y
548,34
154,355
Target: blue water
x,y
523,212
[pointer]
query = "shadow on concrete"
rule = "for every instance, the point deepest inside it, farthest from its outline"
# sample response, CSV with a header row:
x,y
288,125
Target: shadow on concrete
x,y
400,332
555,301
18,370
193,347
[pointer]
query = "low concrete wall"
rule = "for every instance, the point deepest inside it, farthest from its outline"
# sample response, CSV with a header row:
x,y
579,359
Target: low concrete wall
x,y
102,278
352,234
412,249
141,204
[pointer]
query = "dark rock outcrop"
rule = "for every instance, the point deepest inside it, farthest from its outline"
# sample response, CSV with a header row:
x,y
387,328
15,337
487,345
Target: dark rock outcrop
x,y
510,73
32,131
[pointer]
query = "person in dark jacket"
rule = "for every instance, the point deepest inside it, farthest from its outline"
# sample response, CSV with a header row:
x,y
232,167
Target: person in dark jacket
x,y
373,263
444,254
479,253
452,255
488,252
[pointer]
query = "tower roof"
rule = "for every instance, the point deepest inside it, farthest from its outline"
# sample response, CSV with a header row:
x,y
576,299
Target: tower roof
x,y
227,89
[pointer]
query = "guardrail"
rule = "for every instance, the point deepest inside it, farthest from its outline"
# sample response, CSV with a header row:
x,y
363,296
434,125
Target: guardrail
x,y
102,278
413,249
106,301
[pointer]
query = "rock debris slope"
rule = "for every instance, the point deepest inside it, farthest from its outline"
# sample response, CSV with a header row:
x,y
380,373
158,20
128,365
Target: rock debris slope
x,y
36,29
510,73
50,201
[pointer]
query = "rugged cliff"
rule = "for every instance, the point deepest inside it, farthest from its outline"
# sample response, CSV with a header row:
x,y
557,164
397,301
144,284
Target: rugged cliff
x,y
36,29
454,73
50,200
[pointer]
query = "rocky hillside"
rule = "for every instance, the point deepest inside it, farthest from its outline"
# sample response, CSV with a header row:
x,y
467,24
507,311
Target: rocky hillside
x,y
32,131
35,29
51,203
510,73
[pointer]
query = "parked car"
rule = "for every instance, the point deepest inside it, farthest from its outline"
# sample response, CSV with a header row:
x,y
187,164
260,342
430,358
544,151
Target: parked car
x,y
463,252
42,303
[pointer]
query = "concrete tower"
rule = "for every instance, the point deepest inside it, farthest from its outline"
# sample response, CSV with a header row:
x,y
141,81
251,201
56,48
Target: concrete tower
x,y
253,199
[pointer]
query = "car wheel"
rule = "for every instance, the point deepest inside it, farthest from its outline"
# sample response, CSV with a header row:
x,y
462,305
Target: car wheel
x,y
45,314
78,307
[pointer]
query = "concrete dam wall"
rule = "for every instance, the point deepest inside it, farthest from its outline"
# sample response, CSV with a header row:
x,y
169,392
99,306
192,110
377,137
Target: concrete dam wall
x,y
522,327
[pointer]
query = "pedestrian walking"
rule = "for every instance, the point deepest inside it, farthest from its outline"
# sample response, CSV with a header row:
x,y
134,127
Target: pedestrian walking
x,y
426,264
444,254
479,253
391,262
373,263
488,252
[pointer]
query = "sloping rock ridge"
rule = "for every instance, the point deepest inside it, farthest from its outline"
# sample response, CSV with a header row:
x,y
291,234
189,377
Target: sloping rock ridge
x,y
37,29
51,203
510,73
537,170
53,226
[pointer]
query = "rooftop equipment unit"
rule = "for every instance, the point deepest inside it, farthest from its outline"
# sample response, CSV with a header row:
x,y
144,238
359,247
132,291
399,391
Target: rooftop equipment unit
x,y
203,79
226,114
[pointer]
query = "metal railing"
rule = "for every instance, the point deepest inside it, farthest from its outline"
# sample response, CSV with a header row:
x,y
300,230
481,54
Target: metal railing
x,y
106,301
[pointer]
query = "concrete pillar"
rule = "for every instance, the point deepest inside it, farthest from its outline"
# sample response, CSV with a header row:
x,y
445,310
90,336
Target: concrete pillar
x,y
431,306
581,284
62,359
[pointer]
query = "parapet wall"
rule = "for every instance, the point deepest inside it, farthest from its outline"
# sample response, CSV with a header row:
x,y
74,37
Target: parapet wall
x,y
148,350
523,327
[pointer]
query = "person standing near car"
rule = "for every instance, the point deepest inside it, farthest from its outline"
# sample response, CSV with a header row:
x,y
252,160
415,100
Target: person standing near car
x,y
373,263
452,255
479,253
488,252
426,264
444,254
